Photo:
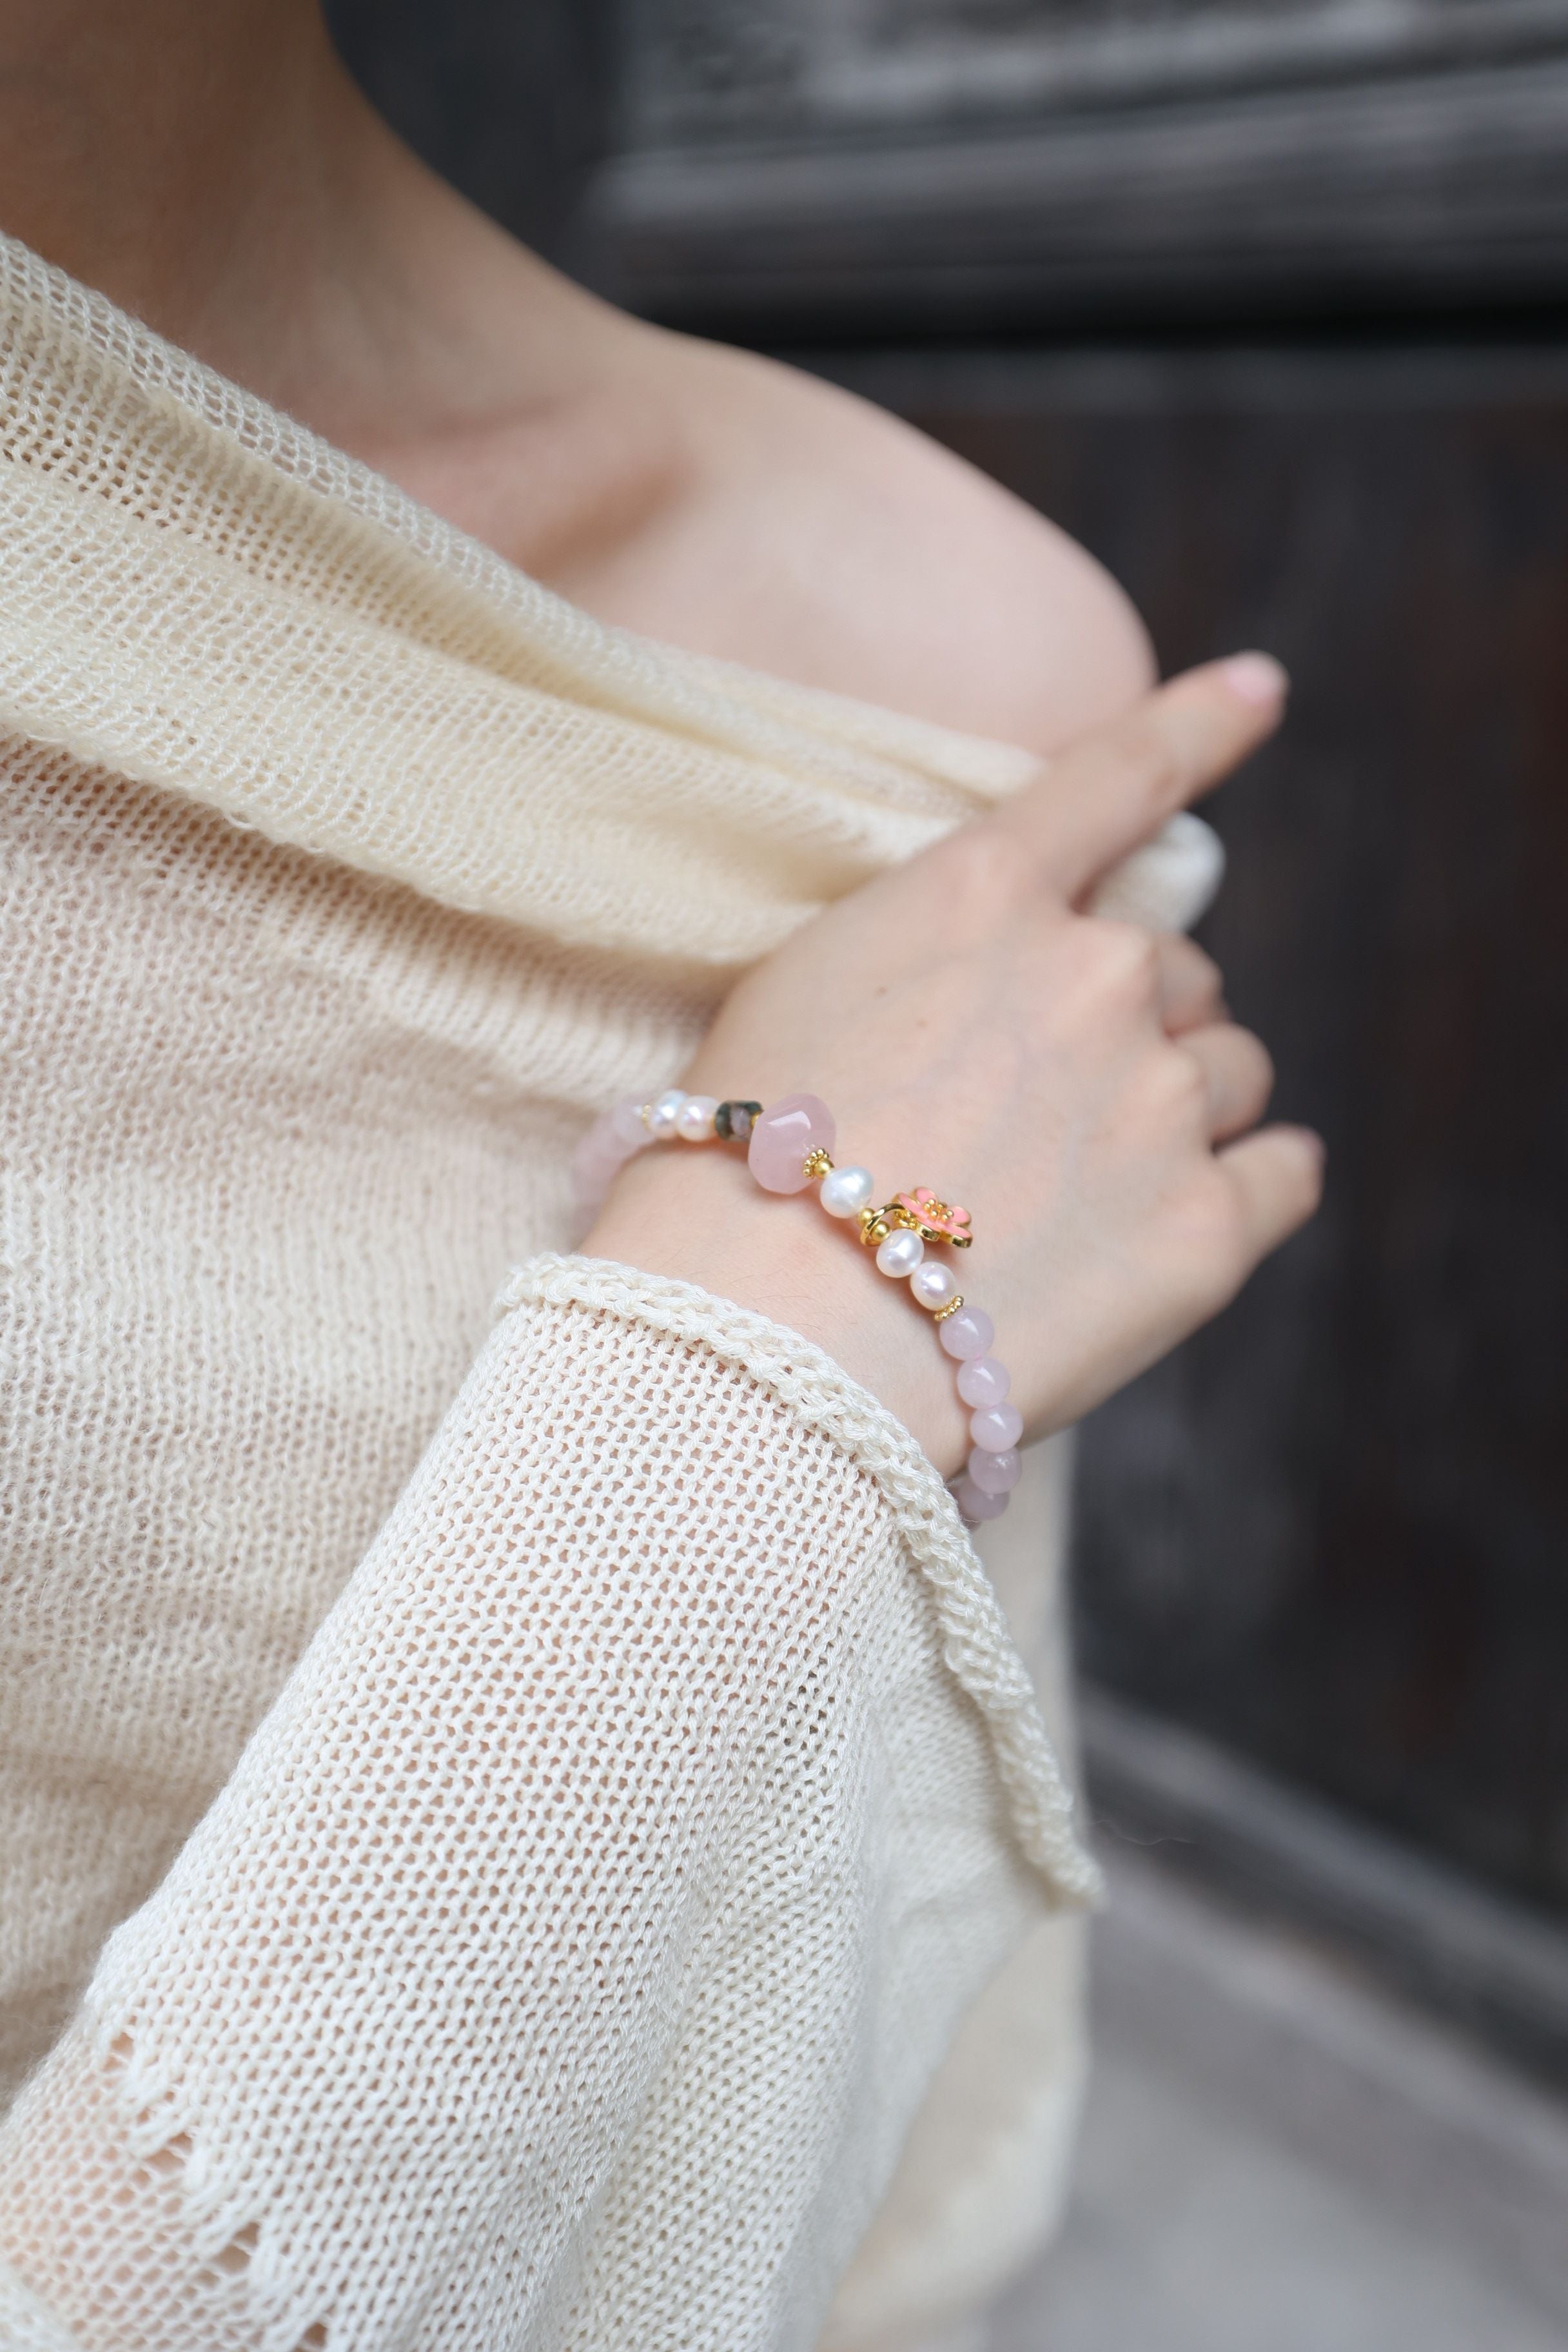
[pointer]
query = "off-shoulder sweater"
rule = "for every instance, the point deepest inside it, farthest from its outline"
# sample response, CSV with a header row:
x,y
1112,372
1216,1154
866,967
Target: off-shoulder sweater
x,y
524,1822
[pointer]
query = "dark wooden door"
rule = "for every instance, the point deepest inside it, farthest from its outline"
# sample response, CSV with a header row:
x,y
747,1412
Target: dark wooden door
x,y
1333,1529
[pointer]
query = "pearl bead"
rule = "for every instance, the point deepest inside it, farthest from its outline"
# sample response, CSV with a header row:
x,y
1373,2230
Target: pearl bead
x,y
995,1474
933,1284
900,1254
974,1504
694,1120
967,1332
983,1381
783,1139
995,1427
666,1112
845,1192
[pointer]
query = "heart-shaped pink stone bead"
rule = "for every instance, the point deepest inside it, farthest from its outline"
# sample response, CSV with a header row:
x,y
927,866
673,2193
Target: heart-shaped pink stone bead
x,y
782,1139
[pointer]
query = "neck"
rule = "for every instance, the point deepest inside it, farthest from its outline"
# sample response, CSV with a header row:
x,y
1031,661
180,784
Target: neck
x,y
209,165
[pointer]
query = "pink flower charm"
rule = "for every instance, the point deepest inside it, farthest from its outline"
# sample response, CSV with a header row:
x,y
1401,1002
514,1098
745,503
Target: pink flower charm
x,y
934,1220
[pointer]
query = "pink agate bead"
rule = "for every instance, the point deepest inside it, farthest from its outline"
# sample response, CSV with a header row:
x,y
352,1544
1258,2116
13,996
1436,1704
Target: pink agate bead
x,y
616,1137
592,1176
968,1331
995,1474
787,1131
995,1427
974,1504
983,1381
626,1124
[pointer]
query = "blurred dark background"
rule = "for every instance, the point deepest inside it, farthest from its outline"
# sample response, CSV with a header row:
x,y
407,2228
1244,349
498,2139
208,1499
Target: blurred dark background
x,y
1265,304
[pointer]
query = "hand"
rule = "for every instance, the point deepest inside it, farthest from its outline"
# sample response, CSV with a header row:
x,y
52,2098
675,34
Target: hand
x,y
1075,1081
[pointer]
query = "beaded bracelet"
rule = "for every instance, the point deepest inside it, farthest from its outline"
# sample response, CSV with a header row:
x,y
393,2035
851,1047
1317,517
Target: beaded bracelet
x,y
789,1146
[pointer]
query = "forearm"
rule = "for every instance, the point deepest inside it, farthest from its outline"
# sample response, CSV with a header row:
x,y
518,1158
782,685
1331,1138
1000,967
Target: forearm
x,y
537,1804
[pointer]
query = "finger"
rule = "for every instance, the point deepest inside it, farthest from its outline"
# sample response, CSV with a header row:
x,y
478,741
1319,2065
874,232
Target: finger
x,y
1237,1073
1192,991
1112,789
1277,1178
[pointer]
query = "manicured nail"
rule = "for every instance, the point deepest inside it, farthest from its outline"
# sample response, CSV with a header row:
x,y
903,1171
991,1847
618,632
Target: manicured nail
x,y
1257,678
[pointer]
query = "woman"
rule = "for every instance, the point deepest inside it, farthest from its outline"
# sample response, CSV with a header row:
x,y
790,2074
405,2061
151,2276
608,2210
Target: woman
x,y
579,1862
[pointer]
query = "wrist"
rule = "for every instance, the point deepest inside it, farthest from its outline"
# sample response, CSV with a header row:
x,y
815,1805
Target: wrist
x,y
697,1215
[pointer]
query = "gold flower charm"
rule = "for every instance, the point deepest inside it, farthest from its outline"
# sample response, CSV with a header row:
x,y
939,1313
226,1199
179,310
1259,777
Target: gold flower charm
x,y
934,1219
920,1212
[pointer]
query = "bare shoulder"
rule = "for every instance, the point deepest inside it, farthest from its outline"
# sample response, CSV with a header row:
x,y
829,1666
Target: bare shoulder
x,y
802,531
724,503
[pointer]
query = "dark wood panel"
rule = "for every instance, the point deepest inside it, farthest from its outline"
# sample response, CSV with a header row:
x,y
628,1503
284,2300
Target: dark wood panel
x,y
998,168
1334,1528
700,72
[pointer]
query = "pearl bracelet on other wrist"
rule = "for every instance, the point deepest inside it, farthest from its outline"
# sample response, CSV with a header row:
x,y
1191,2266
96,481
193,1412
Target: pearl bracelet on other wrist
x,y
788,1148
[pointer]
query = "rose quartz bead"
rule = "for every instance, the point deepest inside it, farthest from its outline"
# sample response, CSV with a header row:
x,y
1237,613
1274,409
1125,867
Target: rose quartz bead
x,y
597,1160
995,1427
974,1504
593,1173
967,1332
596,1165
597,1150
616,1135
995,1474
983,1381
627,1123
780,1139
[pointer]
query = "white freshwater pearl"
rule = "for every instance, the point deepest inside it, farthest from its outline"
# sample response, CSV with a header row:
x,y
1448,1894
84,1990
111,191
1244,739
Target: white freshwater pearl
x,y
844,1192
694,1120
933,1284
664,1113
900,1253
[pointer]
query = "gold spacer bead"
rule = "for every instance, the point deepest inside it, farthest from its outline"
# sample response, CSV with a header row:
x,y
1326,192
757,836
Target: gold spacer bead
x,y
954,1303
816,1163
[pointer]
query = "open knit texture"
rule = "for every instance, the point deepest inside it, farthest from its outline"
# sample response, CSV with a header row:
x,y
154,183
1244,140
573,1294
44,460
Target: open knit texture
x,y
578,1852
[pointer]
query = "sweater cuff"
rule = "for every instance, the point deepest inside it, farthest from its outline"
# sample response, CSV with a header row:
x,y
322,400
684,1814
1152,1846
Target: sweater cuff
x,y
976,1647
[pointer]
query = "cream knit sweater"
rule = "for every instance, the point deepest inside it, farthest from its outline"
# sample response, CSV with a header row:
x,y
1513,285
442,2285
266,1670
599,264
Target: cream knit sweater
x,y
580,1860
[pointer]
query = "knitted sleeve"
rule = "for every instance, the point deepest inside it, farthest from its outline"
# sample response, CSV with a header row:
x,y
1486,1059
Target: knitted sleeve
x,y
564,1961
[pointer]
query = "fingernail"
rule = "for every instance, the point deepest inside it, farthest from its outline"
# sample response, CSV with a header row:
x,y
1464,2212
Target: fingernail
x,y
1257,678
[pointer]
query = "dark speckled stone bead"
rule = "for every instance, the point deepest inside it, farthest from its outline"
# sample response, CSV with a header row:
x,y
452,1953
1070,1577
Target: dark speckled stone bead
x,y
732,1120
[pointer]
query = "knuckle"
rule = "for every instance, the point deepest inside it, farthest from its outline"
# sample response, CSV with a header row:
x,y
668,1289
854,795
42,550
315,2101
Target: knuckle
x,y
1121,959
982,867
1177,1089
1252,1066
